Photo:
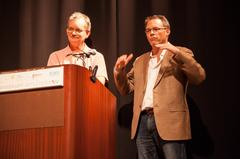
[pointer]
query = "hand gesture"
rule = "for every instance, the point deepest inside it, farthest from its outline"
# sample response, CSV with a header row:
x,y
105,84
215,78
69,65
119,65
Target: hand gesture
x,y
168,46
122,62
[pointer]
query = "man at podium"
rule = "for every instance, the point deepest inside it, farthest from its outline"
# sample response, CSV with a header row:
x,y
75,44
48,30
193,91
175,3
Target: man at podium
x,y
77,52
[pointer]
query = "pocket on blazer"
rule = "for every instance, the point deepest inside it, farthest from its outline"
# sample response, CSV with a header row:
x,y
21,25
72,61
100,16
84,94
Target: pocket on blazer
x,y
177,108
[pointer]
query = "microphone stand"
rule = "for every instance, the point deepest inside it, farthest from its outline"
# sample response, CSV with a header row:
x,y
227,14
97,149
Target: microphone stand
x,y
82,55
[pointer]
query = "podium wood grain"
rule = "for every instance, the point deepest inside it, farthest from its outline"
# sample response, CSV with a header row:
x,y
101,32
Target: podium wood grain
x,y
83,126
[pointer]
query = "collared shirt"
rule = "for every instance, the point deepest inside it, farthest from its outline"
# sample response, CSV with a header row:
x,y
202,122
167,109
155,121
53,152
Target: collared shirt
x,y
66,56
153,70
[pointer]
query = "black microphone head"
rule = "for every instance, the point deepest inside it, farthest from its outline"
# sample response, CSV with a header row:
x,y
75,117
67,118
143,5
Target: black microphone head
x,y
93,52
95,67
94,72
89,53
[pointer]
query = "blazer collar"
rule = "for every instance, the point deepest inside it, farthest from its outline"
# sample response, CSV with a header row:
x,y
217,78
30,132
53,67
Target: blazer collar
x,y
145,69
163,67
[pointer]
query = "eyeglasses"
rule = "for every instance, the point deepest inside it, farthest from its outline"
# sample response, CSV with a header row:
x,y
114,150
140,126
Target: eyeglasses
x,y
71,30
155,29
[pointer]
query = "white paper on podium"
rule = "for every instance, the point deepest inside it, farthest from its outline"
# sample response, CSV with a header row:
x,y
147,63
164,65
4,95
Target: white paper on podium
x,y
33,79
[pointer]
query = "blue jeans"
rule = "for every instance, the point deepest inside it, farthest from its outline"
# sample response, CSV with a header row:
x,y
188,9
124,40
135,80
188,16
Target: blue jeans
x,y
151,146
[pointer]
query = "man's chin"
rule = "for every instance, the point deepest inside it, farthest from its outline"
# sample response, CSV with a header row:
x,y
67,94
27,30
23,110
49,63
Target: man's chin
x,y
75,41
155,43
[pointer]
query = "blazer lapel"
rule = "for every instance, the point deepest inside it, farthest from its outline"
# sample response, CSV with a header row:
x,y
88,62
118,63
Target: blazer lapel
x,y
145,70
163,67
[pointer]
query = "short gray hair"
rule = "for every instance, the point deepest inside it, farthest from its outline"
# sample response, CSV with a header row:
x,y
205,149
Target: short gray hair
x,y
78,15
161,17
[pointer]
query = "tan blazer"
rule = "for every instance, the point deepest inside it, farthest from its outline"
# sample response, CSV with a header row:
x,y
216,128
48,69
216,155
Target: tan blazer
x,y
169,94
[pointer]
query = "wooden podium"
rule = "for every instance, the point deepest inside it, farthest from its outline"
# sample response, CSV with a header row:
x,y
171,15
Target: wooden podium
x,y
76,121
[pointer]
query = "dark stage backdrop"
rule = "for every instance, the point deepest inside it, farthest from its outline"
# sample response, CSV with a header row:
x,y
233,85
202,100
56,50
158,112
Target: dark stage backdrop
x,y
31,29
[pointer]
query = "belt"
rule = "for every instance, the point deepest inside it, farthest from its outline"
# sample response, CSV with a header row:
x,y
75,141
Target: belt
x,y
148,111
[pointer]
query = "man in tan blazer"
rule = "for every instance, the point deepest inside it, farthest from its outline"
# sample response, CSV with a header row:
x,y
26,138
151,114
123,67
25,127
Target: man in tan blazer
x,y
159,80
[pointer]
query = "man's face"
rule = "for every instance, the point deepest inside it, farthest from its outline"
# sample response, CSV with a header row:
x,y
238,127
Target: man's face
x,y
156,33
77,31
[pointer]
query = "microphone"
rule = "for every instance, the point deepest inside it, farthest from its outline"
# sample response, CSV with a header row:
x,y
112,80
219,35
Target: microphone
x,y
82,53
89,53
94,72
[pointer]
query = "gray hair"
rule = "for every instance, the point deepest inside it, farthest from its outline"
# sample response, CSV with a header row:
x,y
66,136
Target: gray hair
x,y
78,15
161,17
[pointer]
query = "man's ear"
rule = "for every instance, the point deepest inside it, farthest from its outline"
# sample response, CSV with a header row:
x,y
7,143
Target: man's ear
x,y
66,31
168,31
88,33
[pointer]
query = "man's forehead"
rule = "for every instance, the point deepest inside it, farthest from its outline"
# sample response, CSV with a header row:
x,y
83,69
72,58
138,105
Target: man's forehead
x,y
155,21
79,21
